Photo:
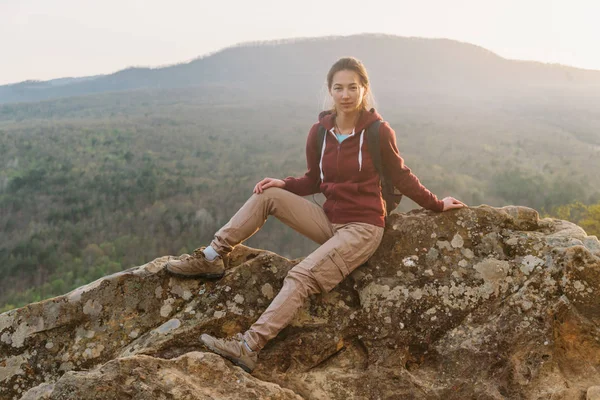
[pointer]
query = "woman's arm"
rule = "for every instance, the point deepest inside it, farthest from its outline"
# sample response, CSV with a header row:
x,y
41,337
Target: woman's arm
x,y
401,175
308,183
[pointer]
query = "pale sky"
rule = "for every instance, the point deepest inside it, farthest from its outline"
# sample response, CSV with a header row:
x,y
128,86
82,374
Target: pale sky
x,y
47,39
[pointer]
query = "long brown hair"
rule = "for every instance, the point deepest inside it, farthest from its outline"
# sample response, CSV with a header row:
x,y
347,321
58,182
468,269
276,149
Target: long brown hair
x,y
352,64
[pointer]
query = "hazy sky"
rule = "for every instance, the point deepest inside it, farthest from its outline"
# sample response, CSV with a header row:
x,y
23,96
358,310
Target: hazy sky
x,y
45,39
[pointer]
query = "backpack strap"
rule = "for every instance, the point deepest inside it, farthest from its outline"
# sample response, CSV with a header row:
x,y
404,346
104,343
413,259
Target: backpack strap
x,y
390,194
374,148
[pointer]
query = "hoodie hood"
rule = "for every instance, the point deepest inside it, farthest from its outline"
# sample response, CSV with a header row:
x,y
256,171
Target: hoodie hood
x,y
327,119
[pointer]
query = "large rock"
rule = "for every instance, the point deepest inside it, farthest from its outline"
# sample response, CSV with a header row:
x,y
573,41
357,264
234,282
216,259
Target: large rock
x,y
194,375
481,303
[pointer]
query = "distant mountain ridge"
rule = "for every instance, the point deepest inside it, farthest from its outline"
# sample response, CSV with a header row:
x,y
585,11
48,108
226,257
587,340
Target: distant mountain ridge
x,y
36,84
396,63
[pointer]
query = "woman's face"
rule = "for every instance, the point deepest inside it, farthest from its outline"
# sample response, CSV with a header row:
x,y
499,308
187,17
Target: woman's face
x,y
346,91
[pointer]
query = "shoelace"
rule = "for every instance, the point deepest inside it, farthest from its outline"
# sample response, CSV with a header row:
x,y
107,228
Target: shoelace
x,y
240,338
198,253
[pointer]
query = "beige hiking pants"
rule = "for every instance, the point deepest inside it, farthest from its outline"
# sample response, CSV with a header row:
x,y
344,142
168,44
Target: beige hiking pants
x,y
343,248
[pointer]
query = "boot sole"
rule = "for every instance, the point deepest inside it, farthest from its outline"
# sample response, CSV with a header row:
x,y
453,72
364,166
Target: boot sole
x,y
227,356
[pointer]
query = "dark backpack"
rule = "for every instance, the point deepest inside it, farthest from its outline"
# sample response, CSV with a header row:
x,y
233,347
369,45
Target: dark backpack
x,y
390,194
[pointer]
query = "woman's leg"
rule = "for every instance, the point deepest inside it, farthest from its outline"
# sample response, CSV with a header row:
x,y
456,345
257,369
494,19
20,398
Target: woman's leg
x,y
348,246
298,213
351,245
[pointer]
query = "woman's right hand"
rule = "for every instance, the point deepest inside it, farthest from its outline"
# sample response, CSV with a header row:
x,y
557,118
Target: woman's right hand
x,y
267,183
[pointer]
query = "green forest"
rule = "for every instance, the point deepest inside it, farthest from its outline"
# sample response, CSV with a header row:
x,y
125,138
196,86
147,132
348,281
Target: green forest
x,y
93,185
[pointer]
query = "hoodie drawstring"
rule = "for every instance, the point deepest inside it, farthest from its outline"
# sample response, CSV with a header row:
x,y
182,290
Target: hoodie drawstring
x,y
362,134
360,151
323,152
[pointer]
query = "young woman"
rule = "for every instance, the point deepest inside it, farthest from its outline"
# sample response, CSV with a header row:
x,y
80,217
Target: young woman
x,y
349,227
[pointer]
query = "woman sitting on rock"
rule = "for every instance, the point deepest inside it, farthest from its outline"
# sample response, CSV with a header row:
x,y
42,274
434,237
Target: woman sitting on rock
x,y
349,227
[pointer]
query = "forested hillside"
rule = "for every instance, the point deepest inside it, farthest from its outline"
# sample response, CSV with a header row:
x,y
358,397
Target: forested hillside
x,y
94,184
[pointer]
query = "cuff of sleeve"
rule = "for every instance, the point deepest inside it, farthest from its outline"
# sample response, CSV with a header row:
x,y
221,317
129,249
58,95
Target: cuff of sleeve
x,y
289,183
439,207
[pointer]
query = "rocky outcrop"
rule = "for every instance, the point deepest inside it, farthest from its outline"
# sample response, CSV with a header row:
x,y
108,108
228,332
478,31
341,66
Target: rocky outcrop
x,y
193,375
479,303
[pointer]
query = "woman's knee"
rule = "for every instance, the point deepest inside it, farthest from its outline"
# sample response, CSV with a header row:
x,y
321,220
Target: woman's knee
x,y
269,195
273,192
302,279
270,199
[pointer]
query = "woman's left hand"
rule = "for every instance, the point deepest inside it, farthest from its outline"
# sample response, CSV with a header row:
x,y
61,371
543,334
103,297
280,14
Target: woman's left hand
x,y
451,202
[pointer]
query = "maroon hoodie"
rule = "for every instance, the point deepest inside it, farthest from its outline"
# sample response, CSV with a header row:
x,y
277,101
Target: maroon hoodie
x,y
345,173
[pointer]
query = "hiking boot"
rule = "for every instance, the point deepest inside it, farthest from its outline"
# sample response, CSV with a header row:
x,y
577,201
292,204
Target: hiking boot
x,y
234,349
197,266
